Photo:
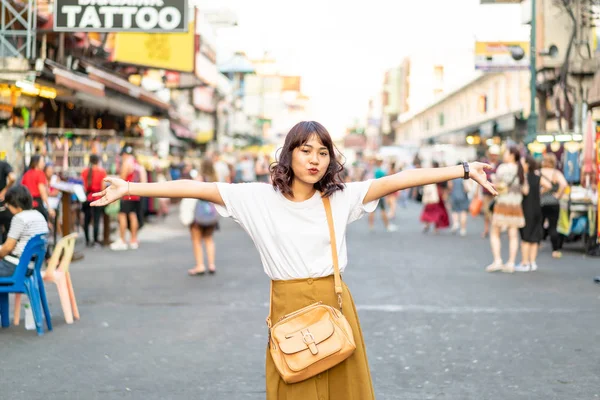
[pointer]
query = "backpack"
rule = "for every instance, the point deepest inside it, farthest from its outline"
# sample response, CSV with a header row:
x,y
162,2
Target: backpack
x,y
206,213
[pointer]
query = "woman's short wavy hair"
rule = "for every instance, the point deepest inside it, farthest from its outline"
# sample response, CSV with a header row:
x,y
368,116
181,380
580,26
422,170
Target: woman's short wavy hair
x,y
282,174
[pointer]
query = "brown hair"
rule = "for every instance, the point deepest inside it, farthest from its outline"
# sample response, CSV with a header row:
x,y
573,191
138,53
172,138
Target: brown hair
x,y
207,170
549,160
281,171
517,156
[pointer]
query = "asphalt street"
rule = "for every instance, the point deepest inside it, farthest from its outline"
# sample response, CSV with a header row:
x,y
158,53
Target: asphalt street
x,y
436,325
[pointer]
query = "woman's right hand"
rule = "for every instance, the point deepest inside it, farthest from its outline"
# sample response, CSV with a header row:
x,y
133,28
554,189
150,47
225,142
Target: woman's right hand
x,y
116,189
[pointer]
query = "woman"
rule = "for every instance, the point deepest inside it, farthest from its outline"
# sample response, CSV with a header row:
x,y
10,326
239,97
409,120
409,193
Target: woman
x,y
93,180
287,222
507,214
533,232
434,213
550,200
459,203
202,231
36,182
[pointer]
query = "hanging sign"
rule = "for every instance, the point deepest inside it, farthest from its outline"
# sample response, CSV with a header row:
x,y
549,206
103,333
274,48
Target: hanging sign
x,y
121,16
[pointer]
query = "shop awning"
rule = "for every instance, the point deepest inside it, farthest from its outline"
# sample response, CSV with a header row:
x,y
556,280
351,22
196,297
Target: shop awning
x,y
77,82
115,103
123,86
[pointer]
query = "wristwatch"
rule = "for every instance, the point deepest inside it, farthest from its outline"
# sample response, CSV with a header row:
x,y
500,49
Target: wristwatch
x,y
466,167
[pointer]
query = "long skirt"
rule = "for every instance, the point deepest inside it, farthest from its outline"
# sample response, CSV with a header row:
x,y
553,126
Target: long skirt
x,y
349,380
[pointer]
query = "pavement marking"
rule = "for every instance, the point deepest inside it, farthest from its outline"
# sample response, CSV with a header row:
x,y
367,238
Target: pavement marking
x,y
463,310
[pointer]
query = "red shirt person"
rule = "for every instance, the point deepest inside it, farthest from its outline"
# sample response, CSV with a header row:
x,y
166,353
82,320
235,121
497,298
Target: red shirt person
x,y
36,182
93,181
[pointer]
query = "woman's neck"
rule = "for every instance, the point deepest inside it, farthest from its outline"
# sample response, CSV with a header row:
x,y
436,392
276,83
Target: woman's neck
x,y
302,191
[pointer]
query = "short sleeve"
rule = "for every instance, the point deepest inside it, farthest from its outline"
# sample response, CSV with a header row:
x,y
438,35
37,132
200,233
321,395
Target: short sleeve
x,y
242,200
17,225
355,194
7,168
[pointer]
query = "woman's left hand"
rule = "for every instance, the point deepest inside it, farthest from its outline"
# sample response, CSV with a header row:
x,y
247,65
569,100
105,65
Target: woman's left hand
x,y
477,173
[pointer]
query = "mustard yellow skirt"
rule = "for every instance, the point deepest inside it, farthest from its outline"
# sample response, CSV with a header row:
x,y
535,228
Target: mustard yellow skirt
x,y
349,380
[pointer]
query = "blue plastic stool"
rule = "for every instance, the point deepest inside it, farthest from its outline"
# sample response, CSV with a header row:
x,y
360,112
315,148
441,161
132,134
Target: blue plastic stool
x,y
31,285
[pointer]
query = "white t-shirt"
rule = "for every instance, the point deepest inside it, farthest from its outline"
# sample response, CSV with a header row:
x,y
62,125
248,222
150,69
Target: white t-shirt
x,y
292,238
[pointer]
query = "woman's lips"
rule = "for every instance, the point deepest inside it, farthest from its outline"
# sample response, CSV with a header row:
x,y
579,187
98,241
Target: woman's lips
x,y
313,171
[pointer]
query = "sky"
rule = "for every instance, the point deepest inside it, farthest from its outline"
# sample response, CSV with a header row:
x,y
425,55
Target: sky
x,y
342,48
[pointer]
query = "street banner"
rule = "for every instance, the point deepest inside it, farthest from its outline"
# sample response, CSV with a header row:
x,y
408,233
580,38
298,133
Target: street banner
x,y
501,56
165,16
171,51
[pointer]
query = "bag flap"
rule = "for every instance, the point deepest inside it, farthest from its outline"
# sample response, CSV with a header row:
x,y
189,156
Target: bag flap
x,y
294,342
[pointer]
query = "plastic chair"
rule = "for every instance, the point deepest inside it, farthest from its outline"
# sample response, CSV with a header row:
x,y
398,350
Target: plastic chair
x,y
31,284
57,272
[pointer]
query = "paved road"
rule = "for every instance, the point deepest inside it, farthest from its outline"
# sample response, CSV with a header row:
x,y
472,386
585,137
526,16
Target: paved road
x,y
436,326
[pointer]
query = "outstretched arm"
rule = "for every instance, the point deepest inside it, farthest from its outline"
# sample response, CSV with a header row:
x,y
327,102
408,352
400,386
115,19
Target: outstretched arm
x,y
423,176
173,189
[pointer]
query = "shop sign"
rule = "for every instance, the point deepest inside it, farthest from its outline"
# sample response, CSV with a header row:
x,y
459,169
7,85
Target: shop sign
x,y
501,56
121,16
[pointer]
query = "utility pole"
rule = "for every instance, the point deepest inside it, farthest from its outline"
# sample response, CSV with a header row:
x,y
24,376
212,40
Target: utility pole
x,y
533,117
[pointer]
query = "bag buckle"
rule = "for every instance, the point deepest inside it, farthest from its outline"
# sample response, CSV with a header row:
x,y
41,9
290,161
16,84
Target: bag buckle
x,y
340,302
309,340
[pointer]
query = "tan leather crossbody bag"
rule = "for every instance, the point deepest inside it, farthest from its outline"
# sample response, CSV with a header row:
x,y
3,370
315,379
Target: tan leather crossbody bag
x,y
314,338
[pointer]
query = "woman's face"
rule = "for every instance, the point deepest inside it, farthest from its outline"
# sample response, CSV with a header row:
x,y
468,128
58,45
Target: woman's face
x,y
508,157
310,161
41,163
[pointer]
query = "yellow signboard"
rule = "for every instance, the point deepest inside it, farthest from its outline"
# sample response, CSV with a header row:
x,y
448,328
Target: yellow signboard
x,y
172,51
501,56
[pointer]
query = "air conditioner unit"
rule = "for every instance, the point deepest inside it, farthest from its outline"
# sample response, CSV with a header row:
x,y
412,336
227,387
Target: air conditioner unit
x,y
554,32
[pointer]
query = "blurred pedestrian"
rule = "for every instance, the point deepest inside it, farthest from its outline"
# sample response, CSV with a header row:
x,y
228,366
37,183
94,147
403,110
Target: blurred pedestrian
x,y
204,225
262,168
487,197
378,173
7,179
459,204
93,181
533,231
130,208
299,251
434,209
507,214
36,182
550,200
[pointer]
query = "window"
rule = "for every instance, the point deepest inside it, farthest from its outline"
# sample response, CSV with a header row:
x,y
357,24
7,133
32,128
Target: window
x,y
482,104
441,119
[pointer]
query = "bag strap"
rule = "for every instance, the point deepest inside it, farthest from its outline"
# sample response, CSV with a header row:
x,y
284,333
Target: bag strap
x,y
337,280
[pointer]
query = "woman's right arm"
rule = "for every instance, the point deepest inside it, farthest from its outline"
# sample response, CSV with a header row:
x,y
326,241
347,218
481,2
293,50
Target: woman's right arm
x,y
182,188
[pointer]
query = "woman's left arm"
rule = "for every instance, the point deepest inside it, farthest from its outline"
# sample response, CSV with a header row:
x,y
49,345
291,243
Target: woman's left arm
x,y
423,176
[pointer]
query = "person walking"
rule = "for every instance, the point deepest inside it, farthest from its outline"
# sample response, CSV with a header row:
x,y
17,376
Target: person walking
x,y
507,214
289,222
550,200
533,231
204,225
93,180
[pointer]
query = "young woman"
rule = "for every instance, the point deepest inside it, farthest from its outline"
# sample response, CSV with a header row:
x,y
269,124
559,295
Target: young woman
x,y
93,180
508,210
203,233
287,222
533,231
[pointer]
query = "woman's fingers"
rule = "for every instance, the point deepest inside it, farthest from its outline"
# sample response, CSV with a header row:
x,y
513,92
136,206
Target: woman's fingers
x,y
99,194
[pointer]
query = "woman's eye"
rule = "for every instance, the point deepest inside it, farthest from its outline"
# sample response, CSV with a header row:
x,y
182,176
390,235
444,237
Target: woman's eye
x,y
324,154
304,151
